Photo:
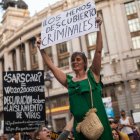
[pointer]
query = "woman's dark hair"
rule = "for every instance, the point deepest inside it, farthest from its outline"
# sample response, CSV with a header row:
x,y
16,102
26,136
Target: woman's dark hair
x,y
83,57
122,111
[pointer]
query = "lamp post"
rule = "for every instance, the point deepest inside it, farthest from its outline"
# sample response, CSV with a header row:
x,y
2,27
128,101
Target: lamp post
x,y
48,83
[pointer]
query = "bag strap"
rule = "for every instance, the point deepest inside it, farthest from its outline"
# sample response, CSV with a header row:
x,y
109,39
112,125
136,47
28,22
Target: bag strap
x,y
91,95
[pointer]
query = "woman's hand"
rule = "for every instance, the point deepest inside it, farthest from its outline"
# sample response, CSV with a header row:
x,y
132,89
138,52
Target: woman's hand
x,y
38,43
98,22
96,63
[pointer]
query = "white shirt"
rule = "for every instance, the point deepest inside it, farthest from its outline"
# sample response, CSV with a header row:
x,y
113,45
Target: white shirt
x,y
126,129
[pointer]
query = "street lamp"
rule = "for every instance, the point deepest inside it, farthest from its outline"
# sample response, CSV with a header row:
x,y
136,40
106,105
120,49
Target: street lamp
x,y
48,83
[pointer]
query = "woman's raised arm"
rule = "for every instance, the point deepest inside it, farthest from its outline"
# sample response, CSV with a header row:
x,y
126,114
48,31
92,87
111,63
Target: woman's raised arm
x,y
96,63
59,74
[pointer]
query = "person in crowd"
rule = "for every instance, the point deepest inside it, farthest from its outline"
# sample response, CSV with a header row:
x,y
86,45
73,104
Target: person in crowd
x,y
12,137
126,125
116,135
44,133
115,125
15,136
136,132
79,86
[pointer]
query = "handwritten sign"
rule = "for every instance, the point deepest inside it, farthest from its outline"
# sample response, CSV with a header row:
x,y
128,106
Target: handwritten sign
x,y
69,24
136,117
23,100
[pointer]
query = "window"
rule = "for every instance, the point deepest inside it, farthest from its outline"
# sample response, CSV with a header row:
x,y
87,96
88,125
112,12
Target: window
x,y
136,42
63,54
92,39
14,60
91,54
2,60
62,48
34,58
23,57
60,124
139,3
91,43
130,8
33,52
138,63
134,25
48,50
133,22
64,62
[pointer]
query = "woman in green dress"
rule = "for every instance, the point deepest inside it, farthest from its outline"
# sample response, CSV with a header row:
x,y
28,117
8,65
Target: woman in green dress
x,y
78,86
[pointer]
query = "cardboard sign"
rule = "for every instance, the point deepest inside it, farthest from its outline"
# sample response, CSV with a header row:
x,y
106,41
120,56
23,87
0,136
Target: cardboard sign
x,y
23,100
69,24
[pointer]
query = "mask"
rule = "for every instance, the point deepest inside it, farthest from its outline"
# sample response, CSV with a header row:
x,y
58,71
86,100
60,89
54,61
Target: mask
x,y
122,115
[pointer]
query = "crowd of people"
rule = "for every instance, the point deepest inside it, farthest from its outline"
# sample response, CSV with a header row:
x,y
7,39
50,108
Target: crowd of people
x,y
124,128
43,133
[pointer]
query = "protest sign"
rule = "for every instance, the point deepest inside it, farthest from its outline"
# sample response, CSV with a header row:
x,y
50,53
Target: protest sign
x,y
108,107
23,100
136,117
69,24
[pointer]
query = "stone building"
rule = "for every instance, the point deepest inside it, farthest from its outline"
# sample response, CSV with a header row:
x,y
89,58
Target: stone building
x,y
120,58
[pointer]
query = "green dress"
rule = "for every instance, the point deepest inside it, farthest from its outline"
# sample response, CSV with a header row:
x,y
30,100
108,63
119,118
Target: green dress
x,y
79,98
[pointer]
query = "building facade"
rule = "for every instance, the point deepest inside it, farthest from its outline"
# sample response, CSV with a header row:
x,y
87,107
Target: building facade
x,y
120,58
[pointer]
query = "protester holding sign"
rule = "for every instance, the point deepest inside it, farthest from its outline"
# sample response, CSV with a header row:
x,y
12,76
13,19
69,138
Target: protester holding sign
x,y
78,86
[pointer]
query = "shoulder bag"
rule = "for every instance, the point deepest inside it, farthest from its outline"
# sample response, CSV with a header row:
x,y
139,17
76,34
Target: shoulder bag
x,y
91,126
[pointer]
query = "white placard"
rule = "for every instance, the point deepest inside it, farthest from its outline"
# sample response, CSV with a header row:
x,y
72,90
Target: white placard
x,y
136,117
69,24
